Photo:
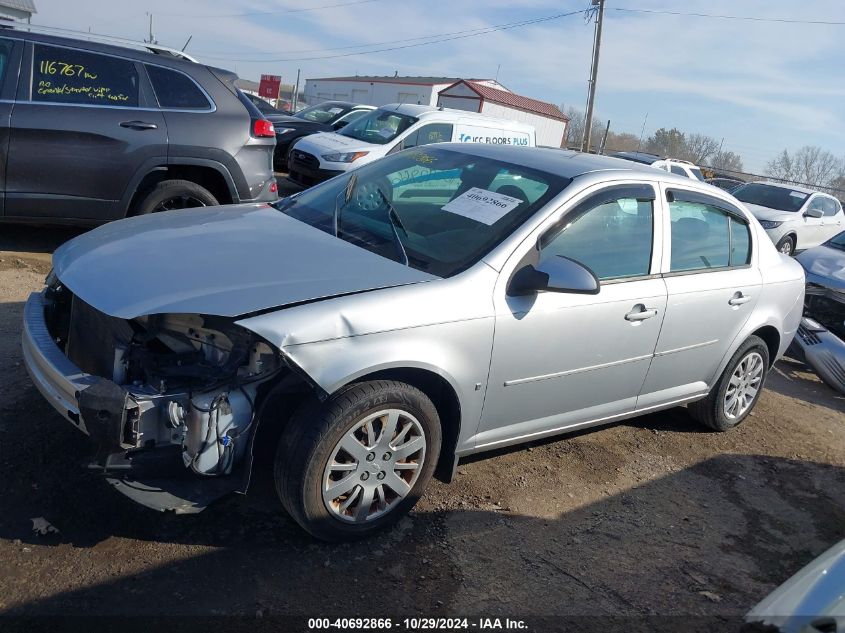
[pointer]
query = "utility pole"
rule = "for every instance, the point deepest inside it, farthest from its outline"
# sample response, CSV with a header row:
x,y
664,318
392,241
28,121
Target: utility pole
x,y
295,94
152,39
594,71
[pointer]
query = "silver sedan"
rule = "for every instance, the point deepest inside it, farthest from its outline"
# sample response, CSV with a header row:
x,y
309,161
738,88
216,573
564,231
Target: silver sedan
x,y
374,329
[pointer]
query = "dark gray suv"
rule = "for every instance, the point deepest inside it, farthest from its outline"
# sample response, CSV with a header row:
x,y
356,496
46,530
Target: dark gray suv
x,y
91,132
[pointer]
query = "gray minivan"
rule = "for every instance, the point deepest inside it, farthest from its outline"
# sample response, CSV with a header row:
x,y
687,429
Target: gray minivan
x,y
92,132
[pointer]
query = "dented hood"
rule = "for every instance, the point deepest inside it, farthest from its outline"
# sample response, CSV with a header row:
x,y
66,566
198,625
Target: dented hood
x,y
226,261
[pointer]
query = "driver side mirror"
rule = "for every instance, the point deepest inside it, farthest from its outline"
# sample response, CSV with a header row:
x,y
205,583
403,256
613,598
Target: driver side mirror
x,y
813,213
556,274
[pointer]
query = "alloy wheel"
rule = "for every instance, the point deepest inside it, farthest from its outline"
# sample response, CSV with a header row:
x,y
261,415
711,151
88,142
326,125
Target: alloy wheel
x,y
745,383
178,202
374,466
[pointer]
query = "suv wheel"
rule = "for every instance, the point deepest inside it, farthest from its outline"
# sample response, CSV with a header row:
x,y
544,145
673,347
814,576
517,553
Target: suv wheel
x,y
786,245
359,461
175,194
738,389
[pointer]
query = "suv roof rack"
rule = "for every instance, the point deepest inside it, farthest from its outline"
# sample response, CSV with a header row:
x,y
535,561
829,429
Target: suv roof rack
x,y
102,39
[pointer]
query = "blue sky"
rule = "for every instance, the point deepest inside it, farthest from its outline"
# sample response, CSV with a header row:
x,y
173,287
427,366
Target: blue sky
x,y
761,86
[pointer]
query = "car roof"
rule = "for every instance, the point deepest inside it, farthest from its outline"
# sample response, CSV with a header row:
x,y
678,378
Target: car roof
x,y
346,105
562,162
782,185
638,157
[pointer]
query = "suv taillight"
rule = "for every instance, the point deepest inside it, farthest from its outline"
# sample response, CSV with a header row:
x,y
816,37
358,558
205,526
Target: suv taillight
x,y
262,128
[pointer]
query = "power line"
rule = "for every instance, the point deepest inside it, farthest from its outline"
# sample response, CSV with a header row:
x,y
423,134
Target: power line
x,y
729,17
276,12
443,37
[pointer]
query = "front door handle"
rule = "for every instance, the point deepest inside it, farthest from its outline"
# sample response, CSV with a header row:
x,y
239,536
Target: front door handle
x,y
640,313
139,125
738,299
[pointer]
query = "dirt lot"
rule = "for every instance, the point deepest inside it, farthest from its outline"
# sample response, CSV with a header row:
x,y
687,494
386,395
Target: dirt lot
x,y
652,516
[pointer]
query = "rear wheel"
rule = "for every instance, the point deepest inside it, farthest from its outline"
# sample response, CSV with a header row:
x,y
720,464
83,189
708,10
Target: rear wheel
x,y
353,465
170,195
786,245
738,388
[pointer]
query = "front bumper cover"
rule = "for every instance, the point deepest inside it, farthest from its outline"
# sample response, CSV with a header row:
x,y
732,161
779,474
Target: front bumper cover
x,y
100,408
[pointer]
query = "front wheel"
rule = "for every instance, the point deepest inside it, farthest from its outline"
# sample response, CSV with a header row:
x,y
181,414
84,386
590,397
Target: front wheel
x,y
358,462
786,245
738,389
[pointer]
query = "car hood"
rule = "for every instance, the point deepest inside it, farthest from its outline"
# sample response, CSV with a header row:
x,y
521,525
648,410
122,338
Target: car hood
x,y
766,213
226,261
825,266
331,142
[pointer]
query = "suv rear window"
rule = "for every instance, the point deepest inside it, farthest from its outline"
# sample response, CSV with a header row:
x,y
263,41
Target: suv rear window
x,y
66,75
175,90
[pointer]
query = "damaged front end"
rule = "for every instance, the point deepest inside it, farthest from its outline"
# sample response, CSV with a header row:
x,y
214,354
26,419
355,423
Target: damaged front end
x,y
170,399
820,340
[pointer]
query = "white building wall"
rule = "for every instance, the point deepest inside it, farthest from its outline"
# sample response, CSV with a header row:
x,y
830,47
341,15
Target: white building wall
x,y
550,131
371,93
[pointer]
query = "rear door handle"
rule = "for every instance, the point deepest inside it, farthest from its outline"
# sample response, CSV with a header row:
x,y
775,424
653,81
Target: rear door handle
x,y
139,125
738,299
640,313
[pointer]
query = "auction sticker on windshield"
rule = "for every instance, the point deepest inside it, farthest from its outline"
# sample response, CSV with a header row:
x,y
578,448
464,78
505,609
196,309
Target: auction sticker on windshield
x,y
482,206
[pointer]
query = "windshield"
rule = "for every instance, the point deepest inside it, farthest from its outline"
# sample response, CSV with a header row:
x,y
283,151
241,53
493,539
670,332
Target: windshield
x,y
379,127
322,113
448,209
837,241
780,198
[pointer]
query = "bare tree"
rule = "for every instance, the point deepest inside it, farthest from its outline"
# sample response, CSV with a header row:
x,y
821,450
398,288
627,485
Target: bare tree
x,y
726,161
810,164
699,148
621,142
575,129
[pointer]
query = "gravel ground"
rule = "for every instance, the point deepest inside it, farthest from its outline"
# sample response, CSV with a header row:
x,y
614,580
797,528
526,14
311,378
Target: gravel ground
x,y
650,516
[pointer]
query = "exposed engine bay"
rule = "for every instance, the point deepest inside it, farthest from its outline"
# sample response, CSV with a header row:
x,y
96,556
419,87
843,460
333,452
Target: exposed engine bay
x,y
184,382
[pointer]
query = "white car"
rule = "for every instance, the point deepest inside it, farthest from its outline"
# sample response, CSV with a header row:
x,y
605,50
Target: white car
x,y
395,127
672,165
795,218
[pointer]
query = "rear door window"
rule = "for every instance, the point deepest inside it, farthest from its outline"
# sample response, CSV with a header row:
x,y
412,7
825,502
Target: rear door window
x,y
67,75
176,91
427,134
705,236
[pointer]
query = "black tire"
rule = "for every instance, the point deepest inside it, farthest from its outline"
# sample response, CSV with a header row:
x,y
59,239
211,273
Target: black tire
x,y
312,435
710,411
175,194
786,242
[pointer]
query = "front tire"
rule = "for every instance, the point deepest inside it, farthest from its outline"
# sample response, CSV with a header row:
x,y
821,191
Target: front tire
x,y
738,389
356,463
786,245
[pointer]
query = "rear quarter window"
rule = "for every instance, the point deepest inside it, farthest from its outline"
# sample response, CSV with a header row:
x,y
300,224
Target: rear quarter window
x,y
67,75
175,90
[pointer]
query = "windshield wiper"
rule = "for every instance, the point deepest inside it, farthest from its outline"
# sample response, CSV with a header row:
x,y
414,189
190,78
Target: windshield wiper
x,y
395,225
347,196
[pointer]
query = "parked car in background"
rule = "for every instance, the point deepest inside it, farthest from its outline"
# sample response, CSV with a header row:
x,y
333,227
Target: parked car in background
x,y
265,107
330,116
811,601
821,338
395,127
794,217
95,132
673,165
727,184
364,322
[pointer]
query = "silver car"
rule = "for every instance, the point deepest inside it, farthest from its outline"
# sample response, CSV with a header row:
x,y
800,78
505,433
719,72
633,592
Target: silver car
x,y
378,327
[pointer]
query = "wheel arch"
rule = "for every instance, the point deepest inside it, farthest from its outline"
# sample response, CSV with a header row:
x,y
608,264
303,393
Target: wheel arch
x,y
771,337
208,174
445,398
